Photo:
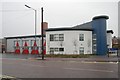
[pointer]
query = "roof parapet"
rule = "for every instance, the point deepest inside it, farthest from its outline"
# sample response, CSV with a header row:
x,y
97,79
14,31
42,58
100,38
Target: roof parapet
x,y
99,17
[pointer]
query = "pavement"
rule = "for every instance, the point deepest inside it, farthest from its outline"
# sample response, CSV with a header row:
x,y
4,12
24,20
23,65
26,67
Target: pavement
x,y
90,59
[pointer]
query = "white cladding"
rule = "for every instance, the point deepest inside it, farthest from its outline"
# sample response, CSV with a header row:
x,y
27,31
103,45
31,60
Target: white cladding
x,y
0,45
11,43
109,40
71,43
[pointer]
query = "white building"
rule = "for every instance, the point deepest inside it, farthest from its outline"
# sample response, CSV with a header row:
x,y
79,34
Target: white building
x,y
0,45
13,43
72,41
88,38
80,39
69,41
109,38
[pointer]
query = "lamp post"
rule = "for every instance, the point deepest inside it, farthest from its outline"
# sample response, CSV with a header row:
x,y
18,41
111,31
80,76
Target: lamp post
x,y
35,18
36,26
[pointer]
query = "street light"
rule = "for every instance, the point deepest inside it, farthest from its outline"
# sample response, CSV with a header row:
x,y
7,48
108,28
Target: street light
x,y
36,25
35,18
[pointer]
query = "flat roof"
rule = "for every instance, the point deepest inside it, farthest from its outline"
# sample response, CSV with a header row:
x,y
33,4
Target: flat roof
x,y
83,27
99,17
54,29
29,36
67,29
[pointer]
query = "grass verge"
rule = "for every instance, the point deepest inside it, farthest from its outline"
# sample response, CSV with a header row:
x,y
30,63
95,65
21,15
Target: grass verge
x,y
67,56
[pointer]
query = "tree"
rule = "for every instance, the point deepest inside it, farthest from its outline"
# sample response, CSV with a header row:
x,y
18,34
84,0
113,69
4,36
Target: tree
x,y
89,45
61,43
75,46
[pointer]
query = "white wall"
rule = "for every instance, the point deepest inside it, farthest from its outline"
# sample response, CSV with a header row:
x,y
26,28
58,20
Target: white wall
x,y
109,40
0,45
69,38
11,44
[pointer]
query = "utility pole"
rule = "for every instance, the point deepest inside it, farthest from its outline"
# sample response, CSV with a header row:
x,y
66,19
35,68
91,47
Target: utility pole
x,y
42,32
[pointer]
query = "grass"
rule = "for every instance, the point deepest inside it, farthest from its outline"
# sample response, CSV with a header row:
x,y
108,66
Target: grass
x,y
68,56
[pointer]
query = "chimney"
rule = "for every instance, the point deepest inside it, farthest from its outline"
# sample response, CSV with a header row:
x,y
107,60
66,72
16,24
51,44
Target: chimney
x,y
45,26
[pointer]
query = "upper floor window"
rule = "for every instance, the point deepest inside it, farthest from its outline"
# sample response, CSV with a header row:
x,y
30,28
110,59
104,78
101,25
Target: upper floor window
x,y
61,37
94,36
56,37
51,37
81,37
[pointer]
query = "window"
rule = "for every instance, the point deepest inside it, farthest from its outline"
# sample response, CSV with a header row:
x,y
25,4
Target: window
x,y
94,41
81,50
56,37
81,37
61,49
94,36
56,49
51,37
94,48
61,37
51,50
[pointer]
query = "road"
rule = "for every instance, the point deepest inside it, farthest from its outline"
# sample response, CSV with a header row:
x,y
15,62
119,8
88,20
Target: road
x,y
52,68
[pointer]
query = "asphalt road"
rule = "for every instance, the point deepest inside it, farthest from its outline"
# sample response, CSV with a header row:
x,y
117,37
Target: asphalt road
x,y
30,68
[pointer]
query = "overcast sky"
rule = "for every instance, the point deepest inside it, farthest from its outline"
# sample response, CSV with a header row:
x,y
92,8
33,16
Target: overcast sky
x,y
16,19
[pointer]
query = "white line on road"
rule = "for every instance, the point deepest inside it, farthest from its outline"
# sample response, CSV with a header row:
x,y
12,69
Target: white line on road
x,y
99,62
89,70
33,65
12,59
30,65
6,76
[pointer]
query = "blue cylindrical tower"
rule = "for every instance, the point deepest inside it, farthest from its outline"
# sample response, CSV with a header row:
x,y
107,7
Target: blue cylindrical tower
x,y
99,29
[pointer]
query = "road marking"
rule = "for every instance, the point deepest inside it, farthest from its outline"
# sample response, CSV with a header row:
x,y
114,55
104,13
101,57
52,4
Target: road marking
x,y
89,62
27,64
99,62
6,76
89,70
13,59
33,65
